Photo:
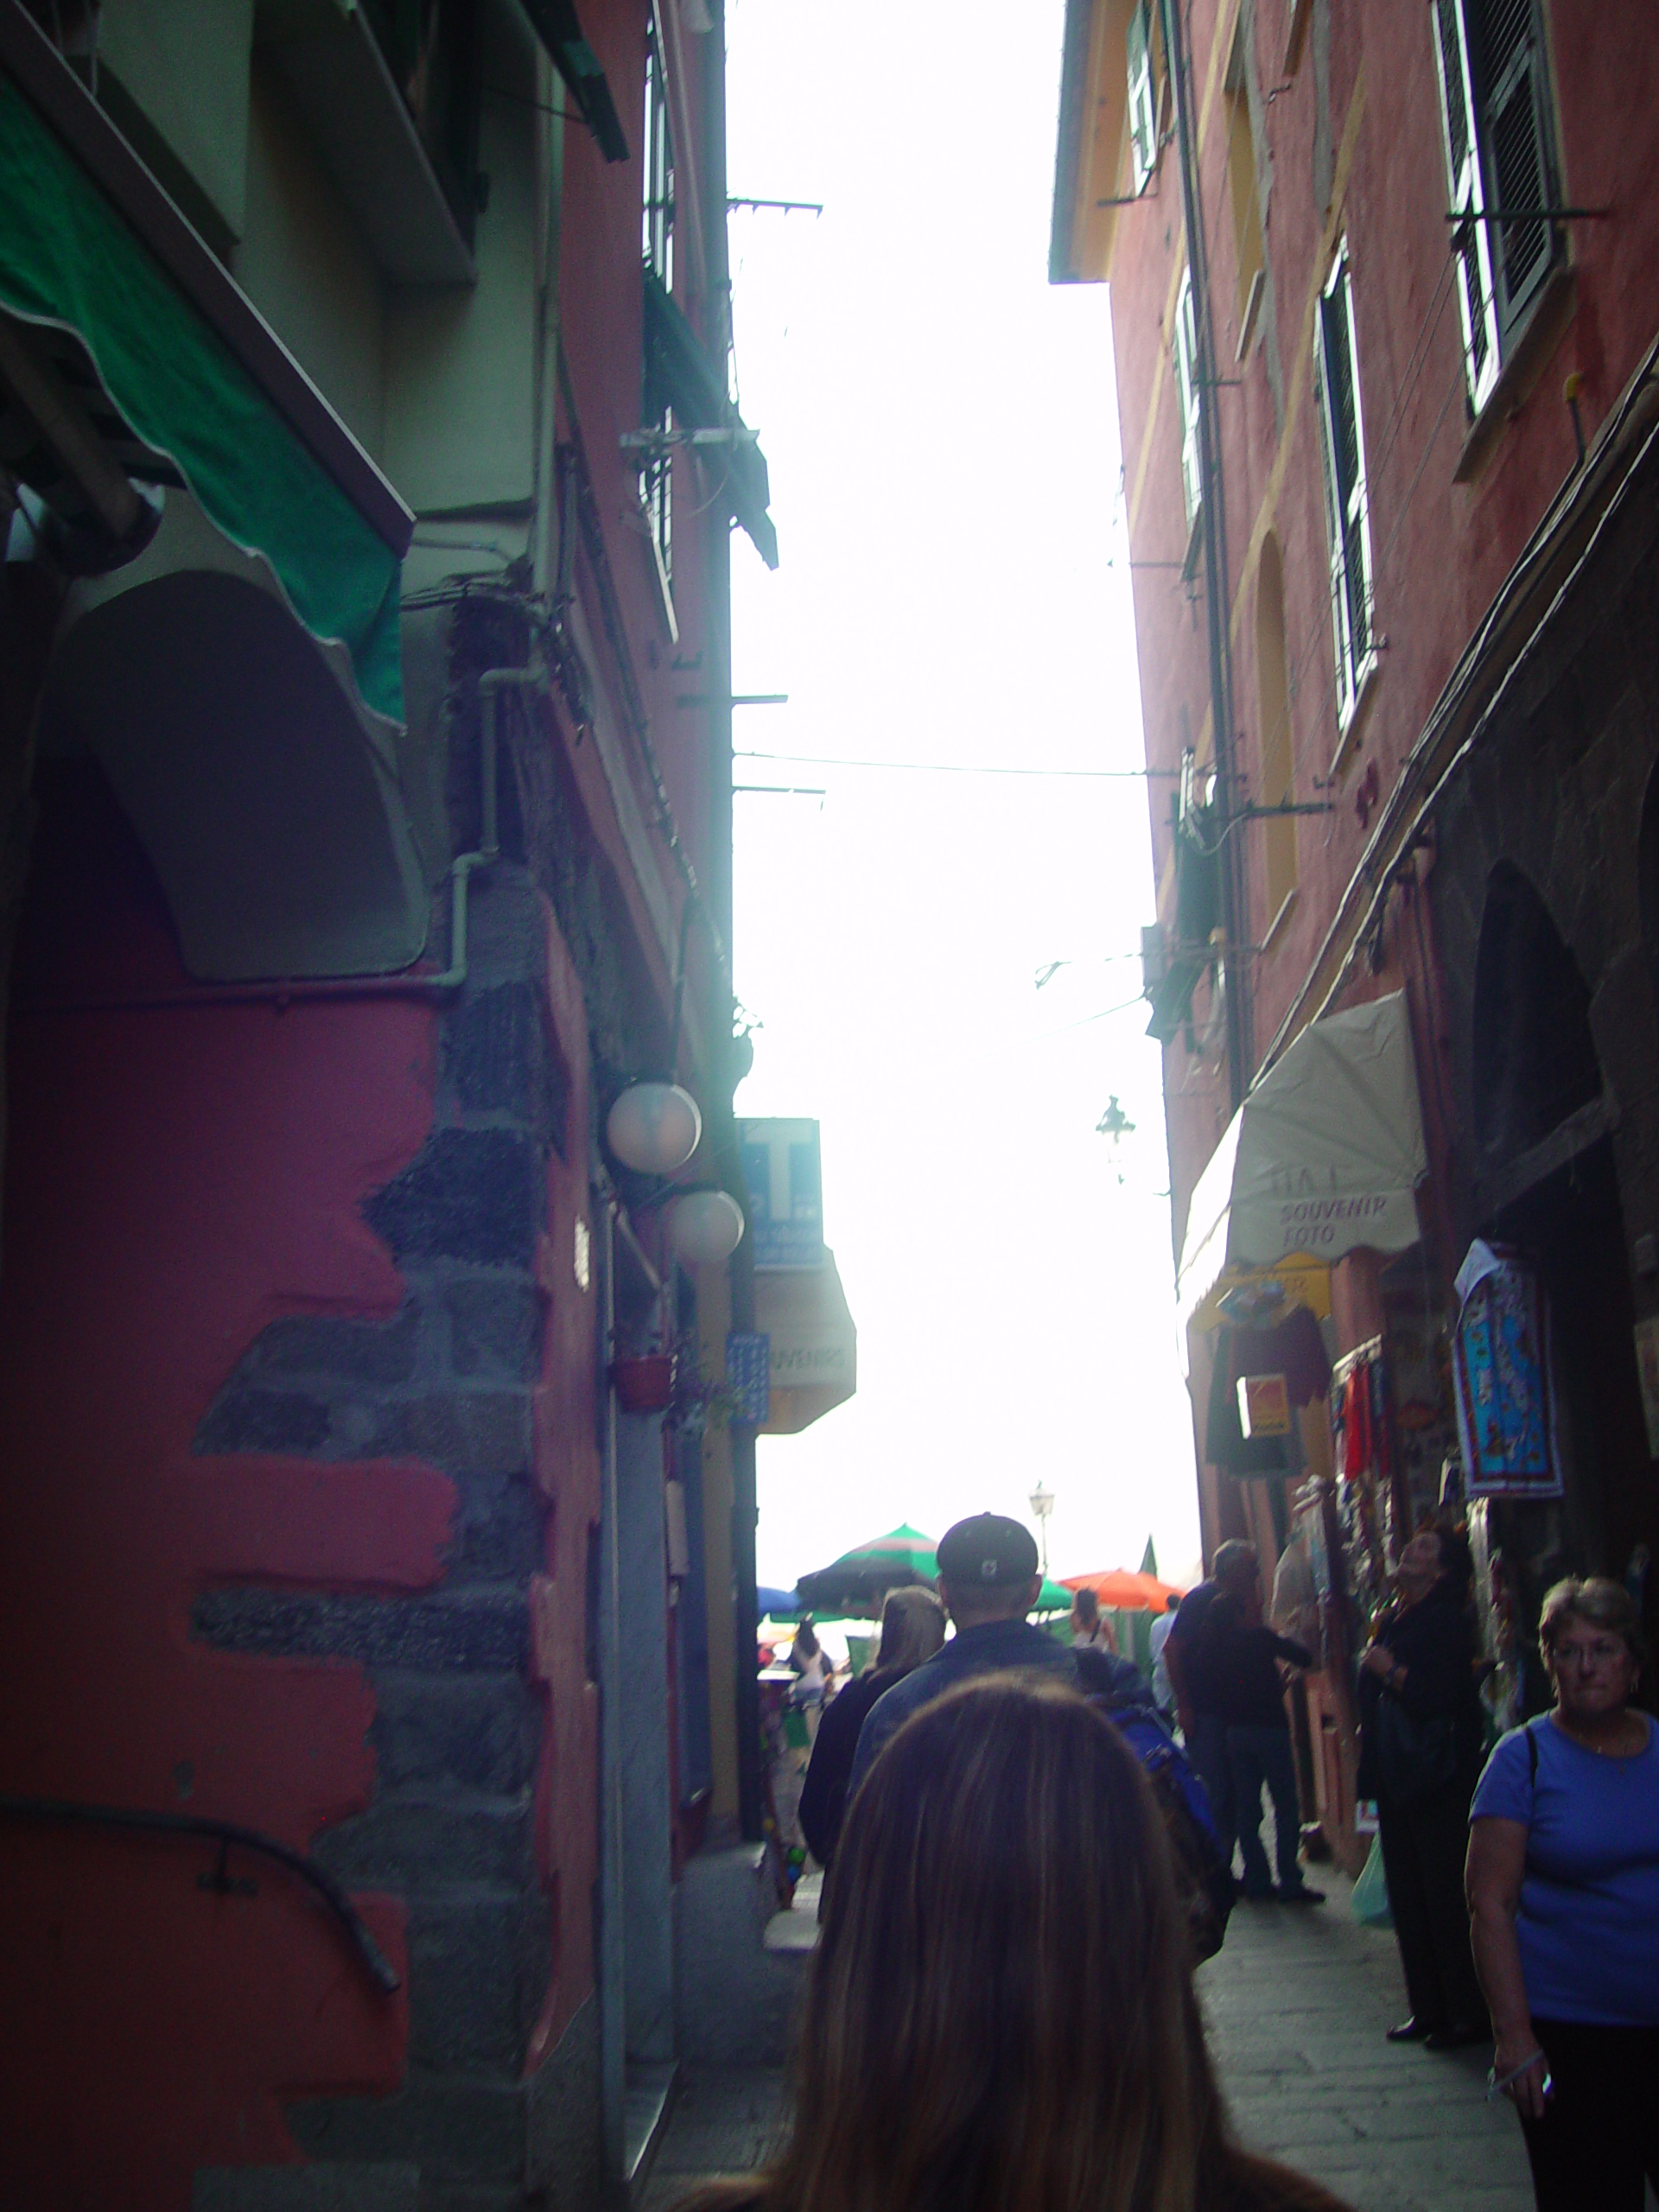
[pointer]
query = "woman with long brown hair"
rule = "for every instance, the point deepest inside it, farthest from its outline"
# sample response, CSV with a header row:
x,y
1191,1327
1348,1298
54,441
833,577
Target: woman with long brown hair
x,y
1003,1855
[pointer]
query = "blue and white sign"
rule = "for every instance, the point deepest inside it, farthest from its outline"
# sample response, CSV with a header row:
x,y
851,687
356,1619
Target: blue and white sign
x,y
782,1172
748,1371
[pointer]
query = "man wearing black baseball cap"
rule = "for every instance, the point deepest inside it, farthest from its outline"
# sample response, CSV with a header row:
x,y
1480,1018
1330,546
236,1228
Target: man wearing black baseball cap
x,y
989,1580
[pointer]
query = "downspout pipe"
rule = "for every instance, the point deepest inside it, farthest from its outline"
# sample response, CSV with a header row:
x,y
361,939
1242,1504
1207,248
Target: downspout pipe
x,y
1213,522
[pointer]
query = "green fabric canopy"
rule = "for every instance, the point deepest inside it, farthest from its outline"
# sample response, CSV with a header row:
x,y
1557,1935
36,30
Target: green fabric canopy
x,y
68,257
682,375
859,1578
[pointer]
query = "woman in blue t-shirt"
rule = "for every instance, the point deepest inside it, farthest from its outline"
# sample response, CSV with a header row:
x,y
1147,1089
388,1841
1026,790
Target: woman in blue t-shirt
x,y
1563,1881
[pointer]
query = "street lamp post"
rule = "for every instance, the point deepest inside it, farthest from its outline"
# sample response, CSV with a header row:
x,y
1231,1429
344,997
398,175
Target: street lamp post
x,y
1042,1505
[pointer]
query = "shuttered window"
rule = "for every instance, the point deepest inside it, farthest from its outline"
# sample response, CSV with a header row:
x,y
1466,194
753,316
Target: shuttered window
x,y
1494,109
1187,383
1347,508
1143,107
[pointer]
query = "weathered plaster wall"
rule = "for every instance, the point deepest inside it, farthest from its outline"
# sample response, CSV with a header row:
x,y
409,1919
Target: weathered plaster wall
x,y
298,1375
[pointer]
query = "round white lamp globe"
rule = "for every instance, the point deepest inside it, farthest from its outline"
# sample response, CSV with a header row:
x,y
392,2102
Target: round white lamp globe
x,y
705,1228
654,1127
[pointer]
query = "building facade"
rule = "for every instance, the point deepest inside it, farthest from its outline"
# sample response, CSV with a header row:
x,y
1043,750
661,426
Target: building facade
x,y
1385,314
367,469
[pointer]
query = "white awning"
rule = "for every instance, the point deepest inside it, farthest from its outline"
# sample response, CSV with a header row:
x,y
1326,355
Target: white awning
x,y
1324,1156
814,1358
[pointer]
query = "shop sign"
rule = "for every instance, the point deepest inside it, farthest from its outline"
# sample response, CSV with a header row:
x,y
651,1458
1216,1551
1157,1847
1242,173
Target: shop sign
x,y
748,1371
1501,1365
782,1174
1263,1405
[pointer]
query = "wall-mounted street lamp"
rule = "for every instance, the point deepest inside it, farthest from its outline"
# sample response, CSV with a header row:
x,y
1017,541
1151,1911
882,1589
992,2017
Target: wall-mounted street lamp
x,y
1042,1505
705,1225
654,1127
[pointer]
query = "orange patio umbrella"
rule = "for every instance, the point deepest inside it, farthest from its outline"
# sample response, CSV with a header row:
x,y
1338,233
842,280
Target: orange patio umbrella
x,y
1121,1592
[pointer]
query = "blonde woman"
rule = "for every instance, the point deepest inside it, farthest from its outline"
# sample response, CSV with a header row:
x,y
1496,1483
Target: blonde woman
x,y
913,1628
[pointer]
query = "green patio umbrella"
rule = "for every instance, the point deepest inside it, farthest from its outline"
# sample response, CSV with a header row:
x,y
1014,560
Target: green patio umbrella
x,y
859,1578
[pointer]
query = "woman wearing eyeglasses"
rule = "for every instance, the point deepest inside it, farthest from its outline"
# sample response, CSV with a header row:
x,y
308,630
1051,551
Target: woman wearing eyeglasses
x,y
1563,1881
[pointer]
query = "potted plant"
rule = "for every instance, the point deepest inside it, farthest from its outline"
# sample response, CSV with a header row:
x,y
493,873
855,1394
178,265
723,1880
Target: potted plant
x,y
644,1376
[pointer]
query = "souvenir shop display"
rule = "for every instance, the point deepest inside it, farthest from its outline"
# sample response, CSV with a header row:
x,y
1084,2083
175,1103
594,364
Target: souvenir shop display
x,y
1501,1363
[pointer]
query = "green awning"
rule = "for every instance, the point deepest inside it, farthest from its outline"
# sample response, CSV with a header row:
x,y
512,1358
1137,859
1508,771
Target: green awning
x,y
681,375
68,258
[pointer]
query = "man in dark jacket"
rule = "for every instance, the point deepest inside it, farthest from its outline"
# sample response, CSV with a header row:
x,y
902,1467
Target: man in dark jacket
x,y
989,1580
1237,1570
1241,1657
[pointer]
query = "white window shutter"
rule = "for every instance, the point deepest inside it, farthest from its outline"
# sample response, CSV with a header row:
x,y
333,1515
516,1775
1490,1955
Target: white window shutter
x,y
1515,152
1342,446
1143,119
1186,379
1472,242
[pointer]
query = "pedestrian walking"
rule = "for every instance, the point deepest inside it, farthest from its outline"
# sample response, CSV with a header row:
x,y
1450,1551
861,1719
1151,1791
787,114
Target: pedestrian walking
x,y
988,1581
1090,1630
1563,1877
1242,1658
1419,1751
1235,1568
1163,1690
1004,1858
809,1664
913,1628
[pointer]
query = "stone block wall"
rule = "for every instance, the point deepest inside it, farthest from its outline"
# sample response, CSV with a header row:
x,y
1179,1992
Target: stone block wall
x,y
483,1731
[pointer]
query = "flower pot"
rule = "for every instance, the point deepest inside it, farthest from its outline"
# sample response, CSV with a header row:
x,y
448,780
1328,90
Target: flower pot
x,y
644,1382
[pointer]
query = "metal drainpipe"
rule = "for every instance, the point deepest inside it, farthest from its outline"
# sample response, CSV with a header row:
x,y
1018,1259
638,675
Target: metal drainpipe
x,y
1213,518
612,1958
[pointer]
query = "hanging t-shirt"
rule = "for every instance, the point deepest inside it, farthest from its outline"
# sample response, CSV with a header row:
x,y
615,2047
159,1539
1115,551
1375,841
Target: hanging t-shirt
x,y
1588,1920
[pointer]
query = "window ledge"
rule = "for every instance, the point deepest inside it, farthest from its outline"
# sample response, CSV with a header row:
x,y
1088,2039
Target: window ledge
x,y
1353,730
1552,312
1252,308
1287,907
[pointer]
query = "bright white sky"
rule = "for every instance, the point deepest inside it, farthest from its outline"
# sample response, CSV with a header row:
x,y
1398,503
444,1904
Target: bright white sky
x,y
942,430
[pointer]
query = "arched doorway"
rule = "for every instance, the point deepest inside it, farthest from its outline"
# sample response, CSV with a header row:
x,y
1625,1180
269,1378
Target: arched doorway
x,y
1546,1183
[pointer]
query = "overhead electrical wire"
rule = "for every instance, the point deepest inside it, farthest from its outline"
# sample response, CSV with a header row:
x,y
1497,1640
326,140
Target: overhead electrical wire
x,y
961,767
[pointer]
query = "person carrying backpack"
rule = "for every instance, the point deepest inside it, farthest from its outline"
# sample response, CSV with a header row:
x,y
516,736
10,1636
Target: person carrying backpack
x,y
989,1579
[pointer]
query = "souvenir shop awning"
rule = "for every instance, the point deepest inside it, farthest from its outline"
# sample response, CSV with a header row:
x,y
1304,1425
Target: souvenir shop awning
x,y
91,245
814,1344
1324,1156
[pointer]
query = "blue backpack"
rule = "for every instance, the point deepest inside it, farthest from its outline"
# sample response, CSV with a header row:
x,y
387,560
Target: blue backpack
x,y
1204,1880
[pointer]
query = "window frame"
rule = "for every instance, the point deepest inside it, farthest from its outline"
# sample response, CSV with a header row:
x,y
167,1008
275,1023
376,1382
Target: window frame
x,y
657,244
1186,353
1141,111
1348,516
1492,315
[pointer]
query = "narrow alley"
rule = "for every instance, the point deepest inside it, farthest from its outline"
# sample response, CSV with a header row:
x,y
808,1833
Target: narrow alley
x,y
1297,2003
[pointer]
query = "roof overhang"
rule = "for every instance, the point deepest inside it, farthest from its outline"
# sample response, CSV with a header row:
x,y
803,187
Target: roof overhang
x,y
1323,1158
1089,156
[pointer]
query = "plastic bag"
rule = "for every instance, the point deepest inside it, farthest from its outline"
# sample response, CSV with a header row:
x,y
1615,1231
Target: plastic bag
x,y
1370,1899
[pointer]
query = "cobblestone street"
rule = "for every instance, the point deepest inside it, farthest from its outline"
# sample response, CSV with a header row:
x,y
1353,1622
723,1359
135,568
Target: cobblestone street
x,y
1297,2003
